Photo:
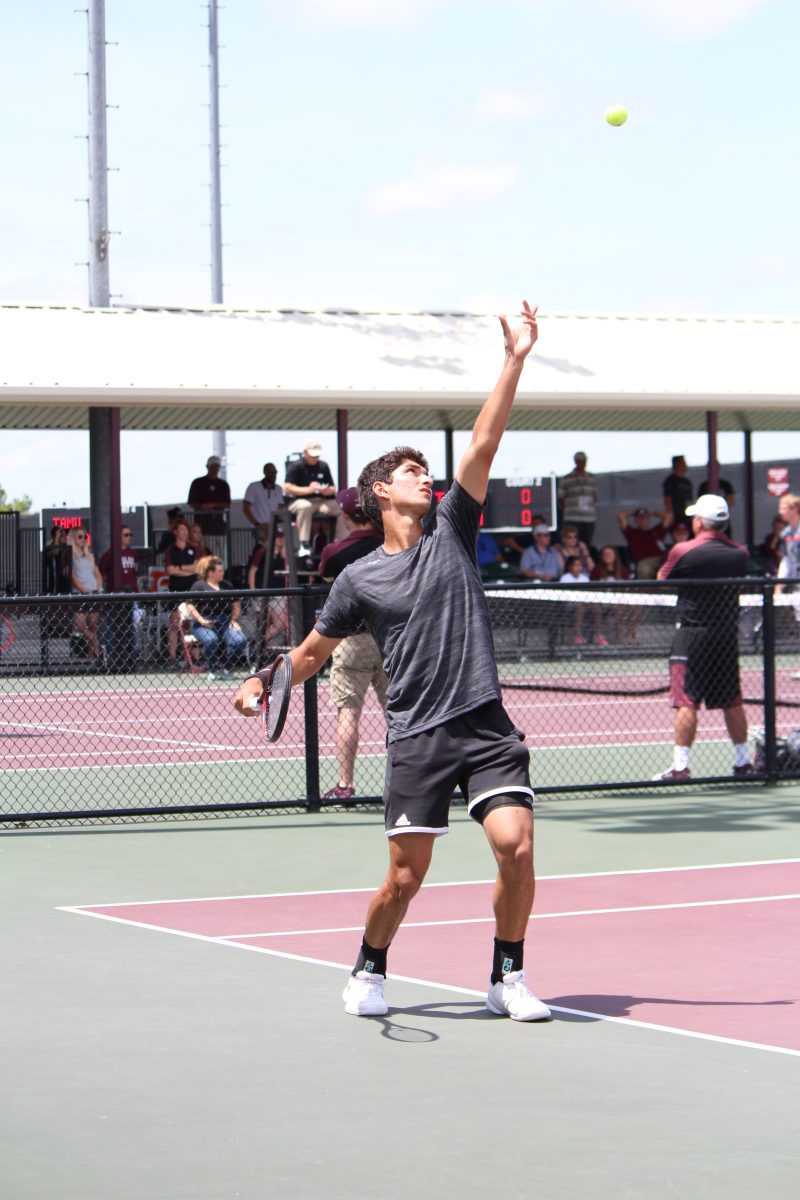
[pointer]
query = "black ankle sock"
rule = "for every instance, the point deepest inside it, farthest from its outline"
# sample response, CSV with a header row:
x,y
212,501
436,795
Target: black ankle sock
x,y
507,958
371,960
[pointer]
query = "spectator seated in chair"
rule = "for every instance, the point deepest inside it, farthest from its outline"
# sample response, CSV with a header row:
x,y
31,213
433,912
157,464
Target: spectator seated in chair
x,y
215,619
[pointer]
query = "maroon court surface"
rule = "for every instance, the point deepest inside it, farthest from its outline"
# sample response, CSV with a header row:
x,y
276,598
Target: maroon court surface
x,y
701,951
169,725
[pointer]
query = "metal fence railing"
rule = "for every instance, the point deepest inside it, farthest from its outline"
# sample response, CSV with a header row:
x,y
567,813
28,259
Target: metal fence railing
x,y
118,708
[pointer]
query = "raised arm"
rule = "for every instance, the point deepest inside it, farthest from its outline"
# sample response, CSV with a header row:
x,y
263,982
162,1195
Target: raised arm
x,y
473,470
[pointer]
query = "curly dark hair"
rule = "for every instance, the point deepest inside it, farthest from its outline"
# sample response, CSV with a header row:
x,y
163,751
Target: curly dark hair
x,y
381,469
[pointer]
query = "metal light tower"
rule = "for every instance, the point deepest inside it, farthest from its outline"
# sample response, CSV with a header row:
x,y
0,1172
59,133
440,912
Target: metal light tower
x,y
99,286
219,441
104,423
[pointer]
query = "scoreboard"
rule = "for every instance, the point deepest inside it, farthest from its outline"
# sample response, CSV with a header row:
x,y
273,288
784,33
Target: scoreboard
x,y
70,518
513,503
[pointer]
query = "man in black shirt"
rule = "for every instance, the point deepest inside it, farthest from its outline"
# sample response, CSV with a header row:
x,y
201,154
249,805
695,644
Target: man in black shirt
x,y
678,490
309,486
210,497
421,597
704,660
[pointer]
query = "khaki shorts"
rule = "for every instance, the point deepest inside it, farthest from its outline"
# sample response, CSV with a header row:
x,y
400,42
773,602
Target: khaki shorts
x,y
356,663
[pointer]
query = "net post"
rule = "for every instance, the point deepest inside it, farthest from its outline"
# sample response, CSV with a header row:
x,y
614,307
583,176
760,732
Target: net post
x,y
310,697
768,651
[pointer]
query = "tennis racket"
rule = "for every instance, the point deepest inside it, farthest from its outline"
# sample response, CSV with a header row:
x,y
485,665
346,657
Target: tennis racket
x,y
275,703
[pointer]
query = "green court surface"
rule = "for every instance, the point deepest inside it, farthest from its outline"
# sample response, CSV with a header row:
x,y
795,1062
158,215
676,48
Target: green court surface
x,y
54,789
143,1066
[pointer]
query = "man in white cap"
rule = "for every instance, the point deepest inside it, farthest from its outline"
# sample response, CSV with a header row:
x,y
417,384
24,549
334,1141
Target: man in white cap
x,y
310,488
704,659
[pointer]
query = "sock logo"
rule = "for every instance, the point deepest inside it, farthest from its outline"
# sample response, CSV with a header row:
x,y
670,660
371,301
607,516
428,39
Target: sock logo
x,y
369,966
508,966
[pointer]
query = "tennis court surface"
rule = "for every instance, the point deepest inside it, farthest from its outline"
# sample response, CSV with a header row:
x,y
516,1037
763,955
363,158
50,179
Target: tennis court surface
x,y
177,1029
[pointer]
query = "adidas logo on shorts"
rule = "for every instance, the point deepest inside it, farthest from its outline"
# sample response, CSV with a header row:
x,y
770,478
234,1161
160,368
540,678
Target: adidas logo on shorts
x,y
402,820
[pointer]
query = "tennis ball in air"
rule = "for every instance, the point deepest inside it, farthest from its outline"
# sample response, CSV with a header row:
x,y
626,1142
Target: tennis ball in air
x,y
616,114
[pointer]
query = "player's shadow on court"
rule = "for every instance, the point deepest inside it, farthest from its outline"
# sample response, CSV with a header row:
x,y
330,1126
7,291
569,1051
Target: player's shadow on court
x,y
595,1008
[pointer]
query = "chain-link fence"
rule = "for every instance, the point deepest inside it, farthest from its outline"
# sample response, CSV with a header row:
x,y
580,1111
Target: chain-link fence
x,y
121,707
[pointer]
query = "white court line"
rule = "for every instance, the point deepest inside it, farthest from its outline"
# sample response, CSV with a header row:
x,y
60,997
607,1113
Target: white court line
x,y
163,765
578,912
444,987
54,727
758,862
327,748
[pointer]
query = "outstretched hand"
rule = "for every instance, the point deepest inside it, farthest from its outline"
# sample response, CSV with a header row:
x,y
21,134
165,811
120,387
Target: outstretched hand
x,y
520,341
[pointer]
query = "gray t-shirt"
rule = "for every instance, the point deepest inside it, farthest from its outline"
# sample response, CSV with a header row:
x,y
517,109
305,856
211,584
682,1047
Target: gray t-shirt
x,y
427,611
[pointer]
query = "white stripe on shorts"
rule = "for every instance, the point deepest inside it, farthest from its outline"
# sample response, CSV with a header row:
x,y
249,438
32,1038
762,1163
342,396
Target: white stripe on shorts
x,y
418,829
500,791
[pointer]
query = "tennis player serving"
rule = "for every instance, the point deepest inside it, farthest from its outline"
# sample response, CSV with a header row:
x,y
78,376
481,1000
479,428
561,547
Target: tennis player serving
x,y
421,597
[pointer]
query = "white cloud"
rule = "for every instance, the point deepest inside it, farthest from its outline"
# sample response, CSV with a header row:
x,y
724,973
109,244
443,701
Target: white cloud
x,y
361,14
689,19
500,104
439,188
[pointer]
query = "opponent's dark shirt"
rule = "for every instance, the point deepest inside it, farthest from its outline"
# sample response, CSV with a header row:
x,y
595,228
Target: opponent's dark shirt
x,y
708,556
426,609
180,558
303,474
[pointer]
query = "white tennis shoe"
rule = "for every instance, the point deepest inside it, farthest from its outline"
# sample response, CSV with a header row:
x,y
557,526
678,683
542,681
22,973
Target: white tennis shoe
x,y
363,995
511,997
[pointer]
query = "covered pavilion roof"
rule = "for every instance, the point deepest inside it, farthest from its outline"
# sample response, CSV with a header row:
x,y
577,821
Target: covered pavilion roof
x,y
230,368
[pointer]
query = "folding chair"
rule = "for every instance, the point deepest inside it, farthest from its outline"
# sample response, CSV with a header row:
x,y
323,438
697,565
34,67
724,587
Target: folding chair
x,y
189,643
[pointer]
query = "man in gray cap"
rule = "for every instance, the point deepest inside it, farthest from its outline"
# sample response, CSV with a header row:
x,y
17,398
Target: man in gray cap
x,y
541,560
310,488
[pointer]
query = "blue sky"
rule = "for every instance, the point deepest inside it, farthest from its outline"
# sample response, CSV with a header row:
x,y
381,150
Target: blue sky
x,y
431,154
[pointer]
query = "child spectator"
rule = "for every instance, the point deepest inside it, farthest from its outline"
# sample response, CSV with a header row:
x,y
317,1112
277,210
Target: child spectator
x,y
572,546
574,573
626,617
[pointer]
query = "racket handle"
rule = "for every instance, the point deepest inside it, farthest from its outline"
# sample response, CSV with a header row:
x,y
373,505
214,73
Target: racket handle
x,y
254,702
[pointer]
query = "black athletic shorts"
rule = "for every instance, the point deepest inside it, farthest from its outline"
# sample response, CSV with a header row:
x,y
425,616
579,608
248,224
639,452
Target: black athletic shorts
x,y
704,668
480,752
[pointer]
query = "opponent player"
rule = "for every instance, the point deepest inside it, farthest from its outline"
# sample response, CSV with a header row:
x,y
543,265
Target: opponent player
x,y
421,597
704,658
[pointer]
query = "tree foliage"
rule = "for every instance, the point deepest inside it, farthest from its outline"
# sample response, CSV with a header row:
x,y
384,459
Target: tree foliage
x,y
20,506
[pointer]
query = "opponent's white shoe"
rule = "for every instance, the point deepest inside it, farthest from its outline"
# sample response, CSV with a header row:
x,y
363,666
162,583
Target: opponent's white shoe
x,y
512,998
363,995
